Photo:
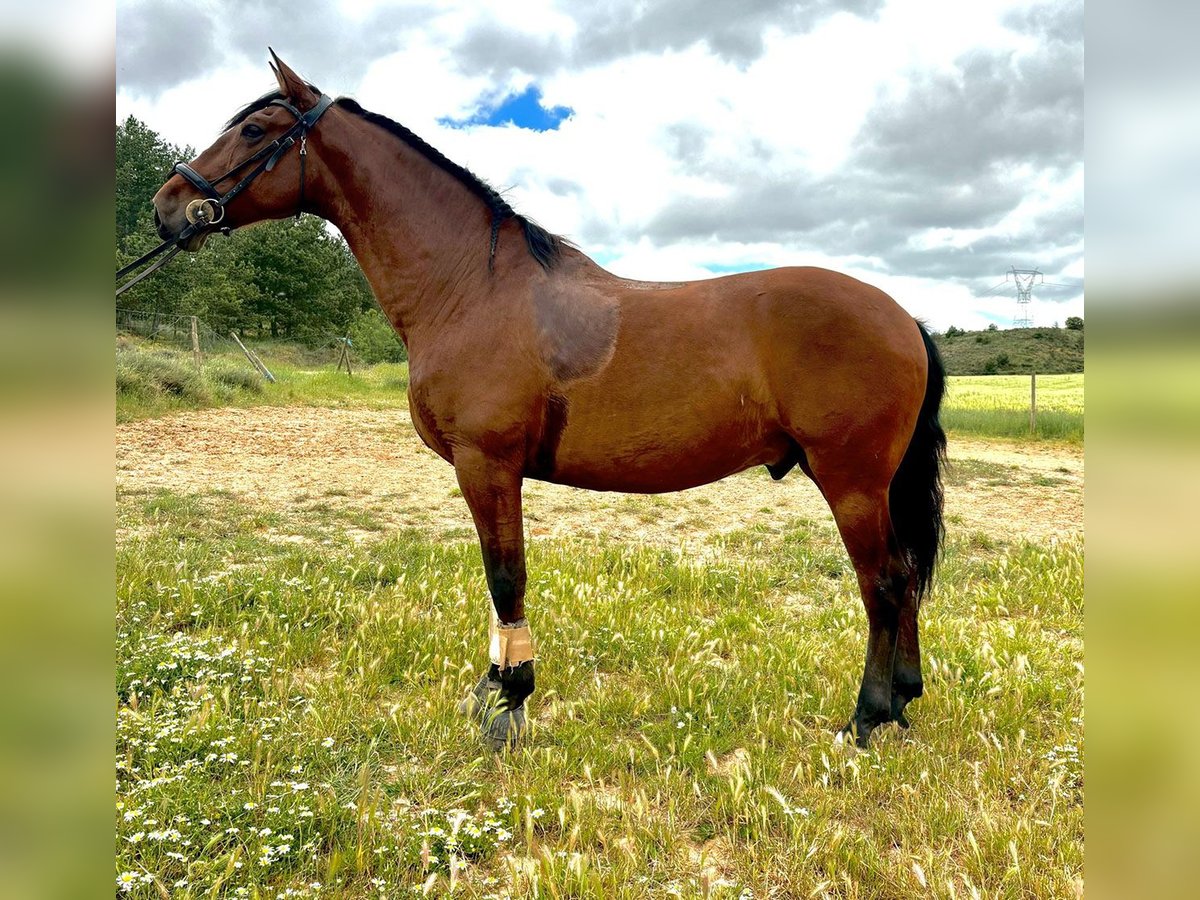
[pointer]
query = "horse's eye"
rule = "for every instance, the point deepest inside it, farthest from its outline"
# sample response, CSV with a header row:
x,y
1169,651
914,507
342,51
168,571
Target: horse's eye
x,y
252,132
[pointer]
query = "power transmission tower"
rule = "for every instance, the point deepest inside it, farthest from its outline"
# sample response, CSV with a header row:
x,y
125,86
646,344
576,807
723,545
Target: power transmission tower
x,y
1024,279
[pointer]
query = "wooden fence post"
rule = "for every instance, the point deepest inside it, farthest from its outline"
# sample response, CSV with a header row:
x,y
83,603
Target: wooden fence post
x,y
1033,402
254,360
196,342
344,356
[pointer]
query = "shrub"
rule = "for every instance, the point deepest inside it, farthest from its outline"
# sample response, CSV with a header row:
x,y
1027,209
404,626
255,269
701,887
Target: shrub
x,y
952,331
375,341
1074,323
130,379
160,372
229,373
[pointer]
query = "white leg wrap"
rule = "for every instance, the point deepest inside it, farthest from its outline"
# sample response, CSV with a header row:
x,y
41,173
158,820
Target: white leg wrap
x,y
508,646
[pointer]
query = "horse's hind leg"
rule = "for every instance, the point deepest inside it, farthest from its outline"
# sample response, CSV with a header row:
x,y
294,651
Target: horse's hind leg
x,y
883,579
492,490
907,684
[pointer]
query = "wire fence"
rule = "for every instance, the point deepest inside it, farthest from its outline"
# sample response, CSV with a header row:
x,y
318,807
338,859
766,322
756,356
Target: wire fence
x,y
191,334
172,331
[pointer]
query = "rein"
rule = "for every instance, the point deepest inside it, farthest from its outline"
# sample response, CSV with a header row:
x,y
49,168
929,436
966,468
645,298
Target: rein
x,y
209,210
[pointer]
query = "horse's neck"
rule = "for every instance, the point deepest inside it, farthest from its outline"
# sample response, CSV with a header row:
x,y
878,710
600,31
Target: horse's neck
x,y
420,236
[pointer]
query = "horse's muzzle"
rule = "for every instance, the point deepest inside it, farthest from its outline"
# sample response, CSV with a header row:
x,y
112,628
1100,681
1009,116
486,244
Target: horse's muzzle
x,y
161,227
167,232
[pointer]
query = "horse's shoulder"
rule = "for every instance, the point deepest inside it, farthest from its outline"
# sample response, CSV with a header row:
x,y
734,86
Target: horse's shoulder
x,y
575,328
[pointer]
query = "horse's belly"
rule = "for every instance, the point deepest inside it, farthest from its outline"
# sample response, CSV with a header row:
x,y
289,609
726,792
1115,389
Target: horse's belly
x,y
672,457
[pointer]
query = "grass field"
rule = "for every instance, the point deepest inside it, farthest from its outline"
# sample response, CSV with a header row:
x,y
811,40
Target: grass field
x,y
289,662
286,718
998,406
154,382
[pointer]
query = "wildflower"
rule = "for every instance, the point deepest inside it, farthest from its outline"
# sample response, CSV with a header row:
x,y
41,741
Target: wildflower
x,y
126,881
327,743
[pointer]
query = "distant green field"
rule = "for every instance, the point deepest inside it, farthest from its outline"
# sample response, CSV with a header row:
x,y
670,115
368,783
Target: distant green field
x,y
998,406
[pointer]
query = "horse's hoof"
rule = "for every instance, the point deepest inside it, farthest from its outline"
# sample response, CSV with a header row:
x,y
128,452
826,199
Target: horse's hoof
x,y
843,743
503,728
898,704
852,737
482,696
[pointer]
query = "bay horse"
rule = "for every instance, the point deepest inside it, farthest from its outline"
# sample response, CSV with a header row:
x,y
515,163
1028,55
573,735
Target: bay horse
x,y
529,360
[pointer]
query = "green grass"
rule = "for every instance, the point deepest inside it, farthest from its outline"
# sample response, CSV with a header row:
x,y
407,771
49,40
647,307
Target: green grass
x,y
286,717
998,406
154,382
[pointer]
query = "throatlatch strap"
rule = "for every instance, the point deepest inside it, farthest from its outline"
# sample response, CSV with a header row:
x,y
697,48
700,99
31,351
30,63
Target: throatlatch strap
x,y
510,646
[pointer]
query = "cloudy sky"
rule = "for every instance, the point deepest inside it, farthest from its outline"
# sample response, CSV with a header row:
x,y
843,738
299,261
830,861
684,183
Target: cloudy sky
x,y
924,146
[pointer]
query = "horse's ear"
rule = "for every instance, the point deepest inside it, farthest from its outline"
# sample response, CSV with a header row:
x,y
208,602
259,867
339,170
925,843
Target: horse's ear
x,y
291,85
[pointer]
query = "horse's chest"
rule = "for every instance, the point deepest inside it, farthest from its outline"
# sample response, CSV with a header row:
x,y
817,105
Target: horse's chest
x,y
426,424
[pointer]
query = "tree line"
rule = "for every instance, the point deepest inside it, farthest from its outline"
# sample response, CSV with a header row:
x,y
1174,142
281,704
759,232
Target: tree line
x,y
293,279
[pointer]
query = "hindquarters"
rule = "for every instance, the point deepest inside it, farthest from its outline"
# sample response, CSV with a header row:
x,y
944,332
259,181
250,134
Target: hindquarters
x,y
861,403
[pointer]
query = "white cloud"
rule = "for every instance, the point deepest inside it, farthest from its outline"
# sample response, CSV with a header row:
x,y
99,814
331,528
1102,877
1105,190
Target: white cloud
x,y
653,127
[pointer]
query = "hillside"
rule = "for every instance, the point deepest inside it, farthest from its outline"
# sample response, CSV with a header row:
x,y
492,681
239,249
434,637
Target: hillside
x,y
1049,351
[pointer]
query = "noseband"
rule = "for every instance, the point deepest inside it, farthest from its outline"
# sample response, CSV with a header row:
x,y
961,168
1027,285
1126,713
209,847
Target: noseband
x,y
209,210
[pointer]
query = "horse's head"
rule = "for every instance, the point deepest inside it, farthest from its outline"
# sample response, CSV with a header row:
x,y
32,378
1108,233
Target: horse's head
x,y
254,171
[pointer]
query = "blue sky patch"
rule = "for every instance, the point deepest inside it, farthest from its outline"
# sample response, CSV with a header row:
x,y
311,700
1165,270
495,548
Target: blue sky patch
x,y
732,268
525,110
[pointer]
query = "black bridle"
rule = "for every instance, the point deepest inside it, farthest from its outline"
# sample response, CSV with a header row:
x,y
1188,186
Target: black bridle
x,y
209,210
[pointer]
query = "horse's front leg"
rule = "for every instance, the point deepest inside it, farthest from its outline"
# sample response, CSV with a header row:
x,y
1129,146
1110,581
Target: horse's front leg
x,y
492,489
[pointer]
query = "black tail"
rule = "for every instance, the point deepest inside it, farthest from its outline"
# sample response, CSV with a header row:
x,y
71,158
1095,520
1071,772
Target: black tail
x,y
915,496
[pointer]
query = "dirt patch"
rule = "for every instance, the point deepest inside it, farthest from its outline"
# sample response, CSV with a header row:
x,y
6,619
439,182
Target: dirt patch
x,y
724,766
373,461
713,863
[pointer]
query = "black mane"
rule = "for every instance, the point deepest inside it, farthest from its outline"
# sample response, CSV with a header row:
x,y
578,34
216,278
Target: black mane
x,y
543,246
